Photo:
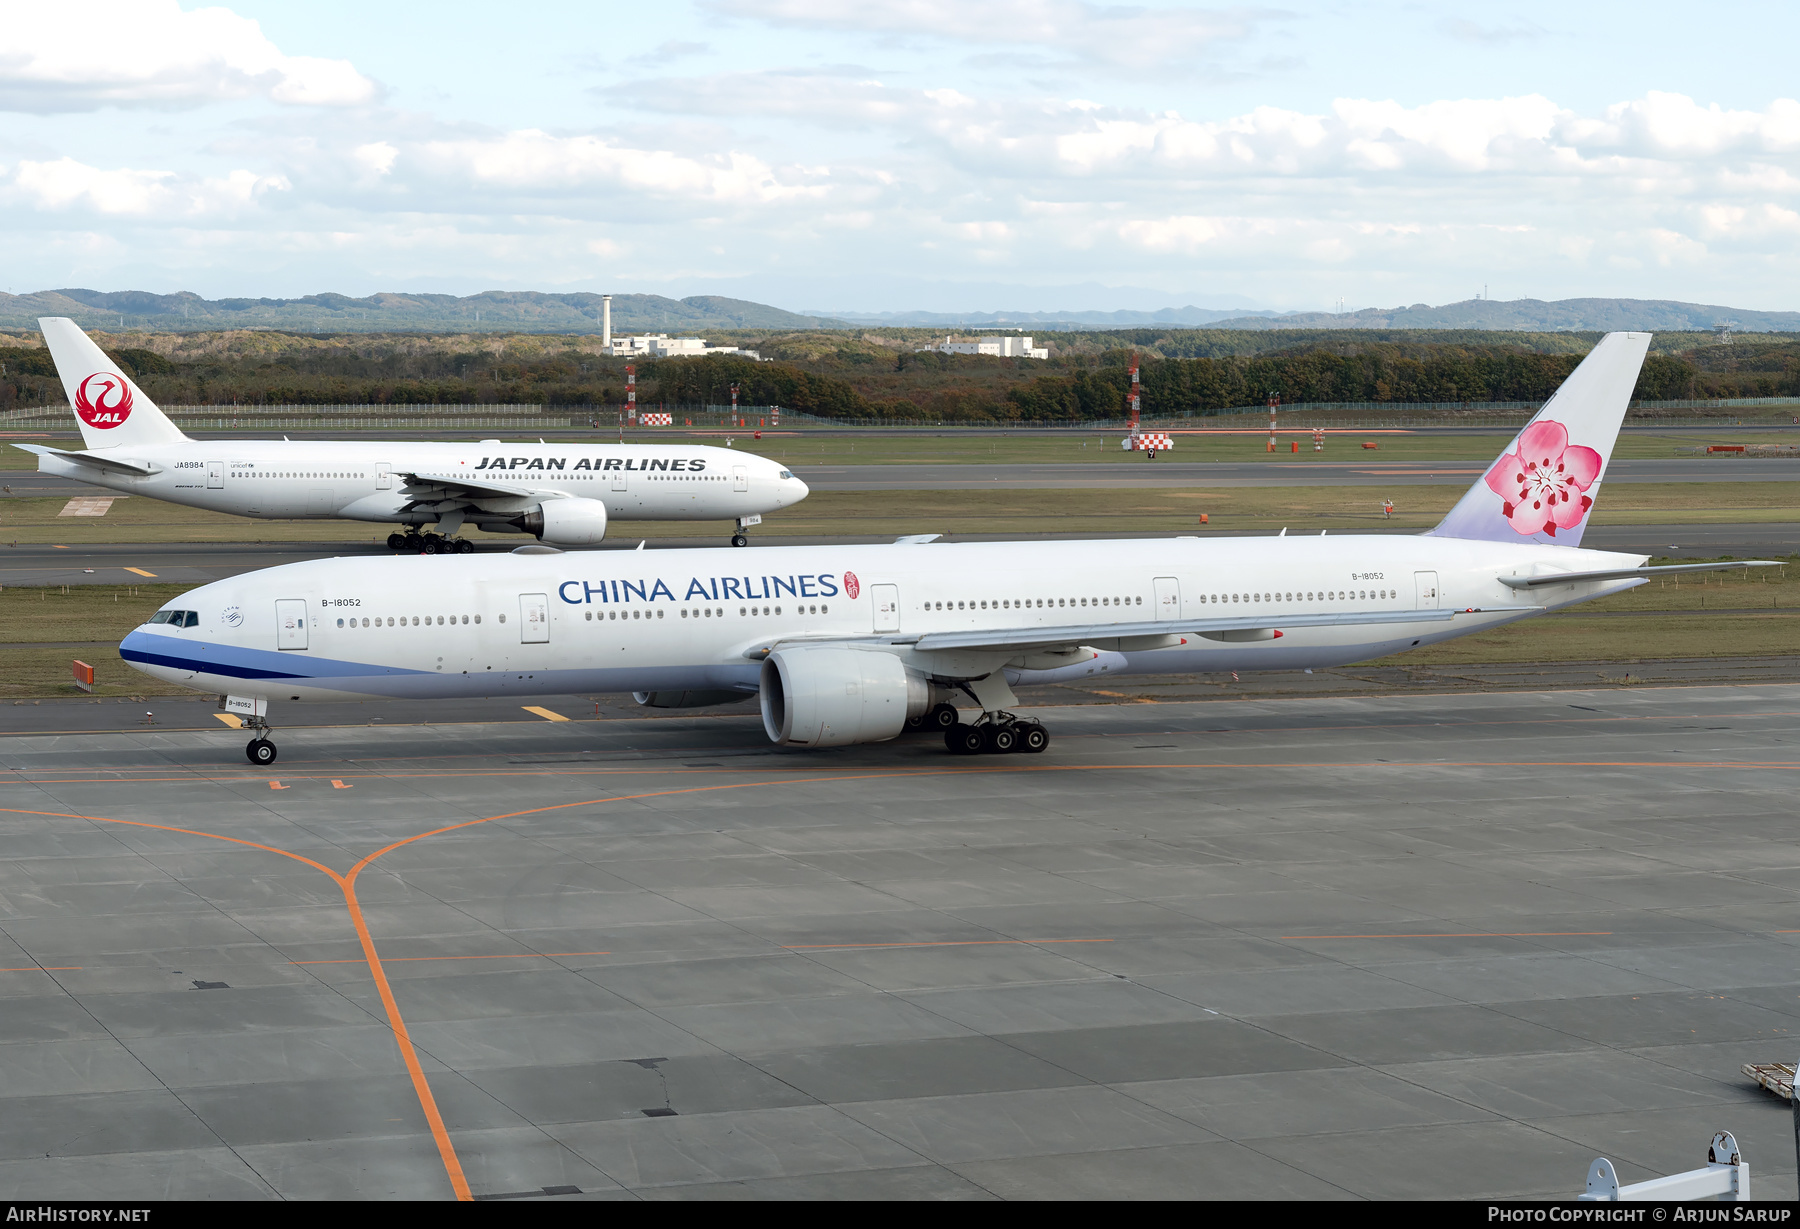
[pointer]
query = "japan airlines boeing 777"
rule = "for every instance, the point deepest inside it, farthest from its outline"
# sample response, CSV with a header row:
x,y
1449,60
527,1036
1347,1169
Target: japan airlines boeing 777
x,y
853,644
560,493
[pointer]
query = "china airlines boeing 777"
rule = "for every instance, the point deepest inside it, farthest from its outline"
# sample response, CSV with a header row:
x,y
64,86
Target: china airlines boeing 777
x,y
559,493
854,644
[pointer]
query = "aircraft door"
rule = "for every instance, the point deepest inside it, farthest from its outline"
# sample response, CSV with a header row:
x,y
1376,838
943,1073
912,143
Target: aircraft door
x,y
290,623
215,475
1168,597
887,607
384,476
740,477
1427,583
534,618
619,477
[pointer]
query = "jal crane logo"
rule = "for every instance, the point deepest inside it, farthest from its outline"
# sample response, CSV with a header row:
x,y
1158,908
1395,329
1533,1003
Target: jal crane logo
x,y
103,400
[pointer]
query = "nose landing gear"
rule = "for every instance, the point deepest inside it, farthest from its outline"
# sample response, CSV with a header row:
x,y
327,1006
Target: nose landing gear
x,y
260,751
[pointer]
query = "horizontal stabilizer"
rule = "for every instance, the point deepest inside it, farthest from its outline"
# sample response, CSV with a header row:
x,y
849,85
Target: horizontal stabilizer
x,y
90,458
1572,578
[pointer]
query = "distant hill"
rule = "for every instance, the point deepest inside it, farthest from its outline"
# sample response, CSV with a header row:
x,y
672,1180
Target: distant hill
x,y
1046,320
1535,315
499,311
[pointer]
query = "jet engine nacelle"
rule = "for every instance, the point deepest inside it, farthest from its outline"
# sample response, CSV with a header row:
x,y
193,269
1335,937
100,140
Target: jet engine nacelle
x,y
830,697
566,522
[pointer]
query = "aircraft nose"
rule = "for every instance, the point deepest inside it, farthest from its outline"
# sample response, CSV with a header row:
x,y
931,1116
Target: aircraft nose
x,y
795,490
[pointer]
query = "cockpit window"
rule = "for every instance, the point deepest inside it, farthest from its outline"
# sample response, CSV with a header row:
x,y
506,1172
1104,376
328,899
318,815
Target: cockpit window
x,y
177,618
192,620
786,474
162,616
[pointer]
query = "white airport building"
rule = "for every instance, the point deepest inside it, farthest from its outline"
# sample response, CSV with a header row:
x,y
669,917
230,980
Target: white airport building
x,y
1001,347
661,345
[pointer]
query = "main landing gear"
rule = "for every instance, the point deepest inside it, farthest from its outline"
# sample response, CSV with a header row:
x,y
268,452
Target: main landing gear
x,y
415,543
937,720
997,734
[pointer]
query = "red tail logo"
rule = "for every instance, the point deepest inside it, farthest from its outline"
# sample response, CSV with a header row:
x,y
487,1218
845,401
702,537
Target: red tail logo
x,y
103,400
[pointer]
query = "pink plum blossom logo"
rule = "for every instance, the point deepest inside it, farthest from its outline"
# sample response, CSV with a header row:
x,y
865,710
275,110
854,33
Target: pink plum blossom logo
x,y
1543,480
851,586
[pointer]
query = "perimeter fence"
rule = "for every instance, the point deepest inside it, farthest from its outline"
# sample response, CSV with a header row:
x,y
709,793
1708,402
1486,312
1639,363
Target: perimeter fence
x,y
1307,415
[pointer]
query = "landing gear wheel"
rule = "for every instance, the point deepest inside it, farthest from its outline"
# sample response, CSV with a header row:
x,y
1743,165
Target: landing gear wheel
x,y
1032,738
464,546
433,546
738,539
413,543
964,740
396,541
261,752
998,739
942,717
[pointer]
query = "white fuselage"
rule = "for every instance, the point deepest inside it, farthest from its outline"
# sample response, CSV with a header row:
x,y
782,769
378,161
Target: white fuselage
x,y
362,481
651,621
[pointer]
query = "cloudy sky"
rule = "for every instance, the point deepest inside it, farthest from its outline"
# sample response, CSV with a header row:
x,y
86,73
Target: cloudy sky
x,y
834,154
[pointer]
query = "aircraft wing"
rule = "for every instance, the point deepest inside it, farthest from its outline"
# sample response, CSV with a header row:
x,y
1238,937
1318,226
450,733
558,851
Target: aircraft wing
x,y
89,458
420,481
1140,636
1161,633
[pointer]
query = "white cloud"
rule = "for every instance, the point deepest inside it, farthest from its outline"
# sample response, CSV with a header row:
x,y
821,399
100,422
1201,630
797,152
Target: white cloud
x,y
536,161
77,55
1673,125
66,185
377,156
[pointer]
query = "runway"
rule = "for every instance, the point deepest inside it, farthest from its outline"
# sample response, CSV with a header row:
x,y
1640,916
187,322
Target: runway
x,y
1403,947
1140,475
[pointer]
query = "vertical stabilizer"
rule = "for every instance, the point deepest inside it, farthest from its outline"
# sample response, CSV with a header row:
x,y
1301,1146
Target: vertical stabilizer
x,y
1545,484
113,412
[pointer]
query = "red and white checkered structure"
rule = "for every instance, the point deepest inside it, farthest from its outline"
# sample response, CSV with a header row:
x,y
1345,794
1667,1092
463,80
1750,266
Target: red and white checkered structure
x,y
657,420
1152,441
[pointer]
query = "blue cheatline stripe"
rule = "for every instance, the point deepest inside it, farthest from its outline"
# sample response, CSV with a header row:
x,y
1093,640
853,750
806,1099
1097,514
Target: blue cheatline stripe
x,y
205,667
236,661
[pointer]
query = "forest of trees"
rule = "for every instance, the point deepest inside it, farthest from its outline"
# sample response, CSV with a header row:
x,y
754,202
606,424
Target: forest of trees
x,y
867,379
